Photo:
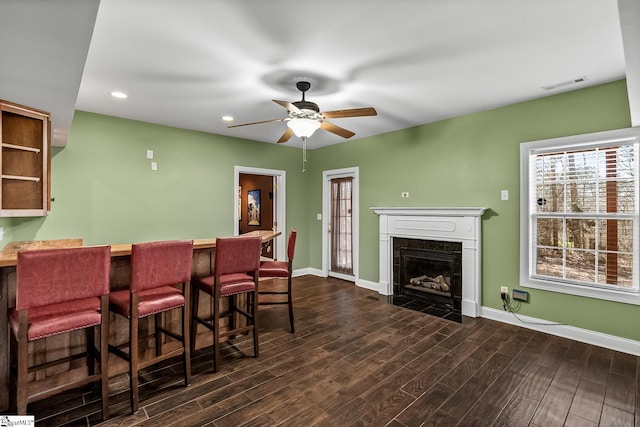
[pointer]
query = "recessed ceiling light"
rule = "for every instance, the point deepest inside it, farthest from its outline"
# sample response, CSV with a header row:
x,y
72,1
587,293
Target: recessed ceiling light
x,y
118,94
227,118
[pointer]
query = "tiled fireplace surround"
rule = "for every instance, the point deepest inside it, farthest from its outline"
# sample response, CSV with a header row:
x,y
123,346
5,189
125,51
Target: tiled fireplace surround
x,y
439,224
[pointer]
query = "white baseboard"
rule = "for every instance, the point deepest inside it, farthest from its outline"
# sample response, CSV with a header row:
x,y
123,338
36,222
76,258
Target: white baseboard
x,y
566,331
372,286
308,270
367,284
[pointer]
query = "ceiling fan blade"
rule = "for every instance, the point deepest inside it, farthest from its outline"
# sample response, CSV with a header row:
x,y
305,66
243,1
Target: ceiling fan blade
x,y
336,129
286,135
257,123
288,105
354,112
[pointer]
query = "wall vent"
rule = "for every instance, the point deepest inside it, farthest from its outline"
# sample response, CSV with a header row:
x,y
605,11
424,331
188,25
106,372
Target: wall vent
x,y
565,83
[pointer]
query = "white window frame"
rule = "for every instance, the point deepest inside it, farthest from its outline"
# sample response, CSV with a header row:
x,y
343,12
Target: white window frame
x,y
527,237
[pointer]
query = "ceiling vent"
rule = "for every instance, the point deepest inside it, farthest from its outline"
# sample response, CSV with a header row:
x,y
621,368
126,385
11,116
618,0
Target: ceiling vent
x,y
565,83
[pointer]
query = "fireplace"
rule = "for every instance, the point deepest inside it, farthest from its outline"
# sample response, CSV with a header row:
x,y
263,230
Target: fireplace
x,y
461,226
428,270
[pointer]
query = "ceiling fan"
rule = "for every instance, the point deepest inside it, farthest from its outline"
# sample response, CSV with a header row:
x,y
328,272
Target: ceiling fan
x,y
305,117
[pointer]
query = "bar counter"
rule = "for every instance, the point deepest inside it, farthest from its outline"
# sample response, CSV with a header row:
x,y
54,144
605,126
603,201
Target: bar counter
x,y
9,256
203,250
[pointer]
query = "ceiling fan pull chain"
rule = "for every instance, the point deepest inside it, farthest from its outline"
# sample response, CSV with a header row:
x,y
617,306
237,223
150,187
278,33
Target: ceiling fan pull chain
x,y
304,153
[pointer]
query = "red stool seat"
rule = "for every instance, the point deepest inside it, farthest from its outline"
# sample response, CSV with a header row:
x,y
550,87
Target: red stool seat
x,y
274,269
230,284
59,318
150,301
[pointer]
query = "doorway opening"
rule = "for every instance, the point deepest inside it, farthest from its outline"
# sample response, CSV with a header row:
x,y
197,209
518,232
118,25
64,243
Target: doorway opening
x,y
259,204
340,224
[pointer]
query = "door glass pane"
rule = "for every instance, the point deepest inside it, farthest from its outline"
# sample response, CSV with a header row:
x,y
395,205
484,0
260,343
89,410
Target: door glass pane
x,y
341,220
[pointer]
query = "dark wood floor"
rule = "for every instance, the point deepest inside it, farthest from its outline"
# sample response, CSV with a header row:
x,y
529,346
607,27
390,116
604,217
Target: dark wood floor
x,y
355,360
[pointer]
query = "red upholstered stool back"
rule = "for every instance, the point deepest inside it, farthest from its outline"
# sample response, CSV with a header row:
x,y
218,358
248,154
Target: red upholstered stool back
x,y
237,255
291,248
50,276
158,264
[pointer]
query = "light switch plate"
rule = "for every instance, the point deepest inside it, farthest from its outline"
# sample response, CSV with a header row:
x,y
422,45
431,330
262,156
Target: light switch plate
x,y
149,154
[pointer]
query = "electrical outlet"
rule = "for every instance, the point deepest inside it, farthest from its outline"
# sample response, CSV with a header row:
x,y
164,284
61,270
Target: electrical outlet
x,y
504,295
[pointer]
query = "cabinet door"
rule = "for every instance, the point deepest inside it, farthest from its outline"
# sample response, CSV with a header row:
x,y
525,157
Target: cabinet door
x,y
24,179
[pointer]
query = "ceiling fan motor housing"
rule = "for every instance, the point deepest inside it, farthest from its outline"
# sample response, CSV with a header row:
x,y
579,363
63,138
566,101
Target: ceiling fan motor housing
x,y
306,105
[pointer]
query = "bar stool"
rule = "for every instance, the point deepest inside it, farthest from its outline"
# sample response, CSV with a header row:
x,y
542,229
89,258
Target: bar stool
x,y
156,269
236,272
281,269
59,291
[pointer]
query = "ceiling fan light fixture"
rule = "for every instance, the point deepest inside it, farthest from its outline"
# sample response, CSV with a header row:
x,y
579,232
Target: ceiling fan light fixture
x,y
303,128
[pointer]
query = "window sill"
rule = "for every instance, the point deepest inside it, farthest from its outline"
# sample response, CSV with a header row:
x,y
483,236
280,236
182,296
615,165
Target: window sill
x,y
597,293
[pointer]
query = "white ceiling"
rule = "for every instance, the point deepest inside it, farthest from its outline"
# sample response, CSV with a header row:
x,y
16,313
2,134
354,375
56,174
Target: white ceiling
x,y
187,63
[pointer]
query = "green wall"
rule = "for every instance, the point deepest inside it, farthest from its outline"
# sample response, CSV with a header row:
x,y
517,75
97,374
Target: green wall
x,y
105,191
466,161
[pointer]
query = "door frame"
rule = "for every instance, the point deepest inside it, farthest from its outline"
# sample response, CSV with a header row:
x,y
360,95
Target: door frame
x,y
279,206
327,176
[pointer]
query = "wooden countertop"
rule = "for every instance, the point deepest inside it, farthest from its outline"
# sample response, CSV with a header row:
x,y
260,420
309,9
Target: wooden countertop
x,y
9,256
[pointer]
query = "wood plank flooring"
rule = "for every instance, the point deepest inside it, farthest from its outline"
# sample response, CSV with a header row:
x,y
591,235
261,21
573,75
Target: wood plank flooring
x,y
357,361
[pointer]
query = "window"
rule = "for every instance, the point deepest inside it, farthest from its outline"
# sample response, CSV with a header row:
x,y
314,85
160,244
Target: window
x,y
579,215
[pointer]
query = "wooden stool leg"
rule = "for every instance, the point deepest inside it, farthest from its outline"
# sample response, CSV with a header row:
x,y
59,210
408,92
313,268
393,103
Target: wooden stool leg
x,y
133,353
104,356
91,357
23,365
186,333
157,324
195,300
254,313
216,334
290,300
233,314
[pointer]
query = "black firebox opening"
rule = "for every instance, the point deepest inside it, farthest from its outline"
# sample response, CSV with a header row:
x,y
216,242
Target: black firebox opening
x,y
430,271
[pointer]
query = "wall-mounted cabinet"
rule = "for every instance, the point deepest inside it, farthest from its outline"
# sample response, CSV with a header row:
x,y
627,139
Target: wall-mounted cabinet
x,y
25,161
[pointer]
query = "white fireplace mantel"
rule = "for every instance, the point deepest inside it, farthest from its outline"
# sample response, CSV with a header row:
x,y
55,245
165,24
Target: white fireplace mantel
x,y
446,224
